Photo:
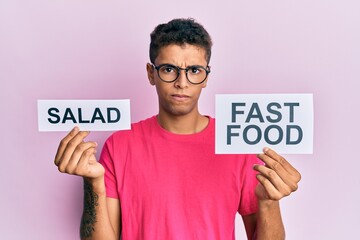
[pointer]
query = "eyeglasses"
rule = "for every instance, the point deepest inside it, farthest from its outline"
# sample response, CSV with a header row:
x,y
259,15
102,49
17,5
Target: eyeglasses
x,y
195,74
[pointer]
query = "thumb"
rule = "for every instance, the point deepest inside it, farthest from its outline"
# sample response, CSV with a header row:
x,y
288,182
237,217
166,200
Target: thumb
x,y
92,157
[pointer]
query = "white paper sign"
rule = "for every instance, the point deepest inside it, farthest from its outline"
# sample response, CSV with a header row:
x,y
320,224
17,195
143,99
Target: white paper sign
x,y
91,115
245,123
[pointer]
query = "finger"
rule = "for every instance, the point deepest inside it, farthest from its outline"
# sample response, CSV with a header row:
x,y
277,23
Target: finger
x,y
82,167
270,190
272,154
63,144
279,163
70,148
83,164
77,154
274,179
290,178
286,176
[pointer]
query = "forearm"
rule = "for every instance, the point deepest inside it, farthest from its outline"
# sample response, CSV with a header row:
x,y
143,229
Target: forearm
x,y
95,222
269,223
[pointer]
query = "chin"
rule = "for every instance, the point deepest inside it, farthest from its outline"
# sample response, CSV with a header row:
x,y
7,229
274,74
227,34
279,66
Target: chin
x,y
179,110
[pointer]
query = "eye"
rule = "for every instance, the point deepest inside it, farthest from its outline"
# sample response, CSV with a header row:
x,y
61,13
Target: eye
x,y
168,69
195,70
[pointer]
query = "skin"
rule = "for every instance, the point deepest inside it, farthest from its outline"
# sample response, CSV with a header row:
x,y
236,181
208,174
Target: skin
x,y
178,101
75,156
178,113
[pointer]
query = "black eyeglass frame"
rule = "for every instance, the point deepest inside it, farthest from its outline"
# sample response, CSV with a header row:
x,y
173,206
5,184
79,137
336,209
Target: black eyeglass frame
x,y
207,70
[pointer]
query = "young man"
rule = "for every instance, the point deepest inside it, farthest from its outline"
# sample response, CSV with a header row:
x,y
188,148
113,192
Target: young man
x,y
162,179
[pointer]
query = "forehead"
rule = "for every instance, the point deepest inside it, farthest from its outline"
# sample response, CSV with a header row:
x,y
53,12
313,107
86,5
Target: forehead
x,y
182,55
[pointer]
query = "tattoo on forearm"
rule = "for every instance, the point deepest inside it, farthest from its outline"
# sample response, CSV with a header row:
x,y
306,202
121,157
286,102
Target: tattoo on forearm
x,y
89,215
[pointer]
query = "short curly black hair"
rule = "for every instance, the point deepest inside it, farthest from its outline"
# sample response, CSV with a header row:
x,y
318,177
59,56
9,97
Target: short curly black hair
x,y
179,31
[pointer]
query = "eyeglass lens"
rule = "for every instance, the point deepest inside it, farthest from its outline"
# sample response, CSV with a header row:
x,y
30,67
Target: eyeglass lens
x,y
169,73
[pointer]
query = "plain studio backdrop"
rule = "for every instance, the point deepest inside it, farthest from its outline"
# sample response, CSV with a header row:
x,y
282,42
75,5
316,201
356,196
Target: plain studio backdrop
x,y
98,50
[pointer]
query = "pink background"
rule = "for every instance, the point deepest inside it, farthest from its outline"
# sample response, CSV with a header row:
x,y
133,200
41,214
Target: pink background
x,y
98,50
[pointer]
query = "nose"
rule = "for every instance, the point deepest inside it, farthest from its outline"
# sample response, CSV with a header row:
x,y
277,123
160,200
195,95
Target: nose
x,y
181,81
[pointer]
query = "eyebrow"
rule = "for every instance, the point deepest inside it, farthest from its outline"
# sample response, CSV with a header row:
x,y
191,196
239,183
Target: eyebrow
x,y
194,65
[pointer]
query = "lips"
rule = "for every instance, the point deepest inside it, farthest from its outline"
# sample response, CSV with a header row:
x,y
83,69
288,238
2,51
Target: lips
x,y
180,97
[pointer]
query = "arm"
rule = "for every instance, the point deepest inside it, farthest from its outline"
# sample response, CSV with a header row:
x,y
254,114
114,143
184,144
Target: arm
x,y
250,225
277,179
265,224
101,215
269,224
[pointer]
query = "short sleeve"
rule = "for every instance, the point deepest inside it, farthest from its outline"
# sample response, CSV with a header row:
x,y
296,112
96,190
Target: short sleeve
x,y
107,160
248,200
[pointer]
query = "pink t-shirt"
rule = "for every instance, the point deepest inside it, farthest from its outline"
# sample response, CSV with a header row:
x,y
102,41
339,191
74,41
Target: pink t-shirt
x,y
174,186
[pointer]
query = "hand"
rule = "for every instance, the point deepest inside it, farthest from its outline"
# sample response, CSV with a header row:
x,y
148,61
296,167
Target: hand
x,y
277,178
76,157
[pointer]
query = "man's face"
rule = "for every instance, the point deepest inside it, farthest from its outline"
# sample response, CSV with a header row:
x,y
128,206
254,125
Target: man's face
x,y
179,97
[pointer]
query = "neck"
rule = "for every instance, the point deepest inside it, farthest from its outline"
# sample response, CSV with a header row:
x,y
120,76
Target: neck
x,y
183,124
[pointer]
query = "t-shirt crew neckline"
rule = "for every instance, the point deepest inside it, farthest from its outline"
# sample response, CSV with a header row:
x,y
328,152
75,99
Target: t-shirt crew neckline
x,y
204,132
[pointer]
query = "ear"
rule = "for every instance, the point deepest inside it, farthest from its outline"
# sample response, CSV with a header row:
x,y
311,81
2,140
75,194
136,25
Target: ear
x,y
204,84
150,73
